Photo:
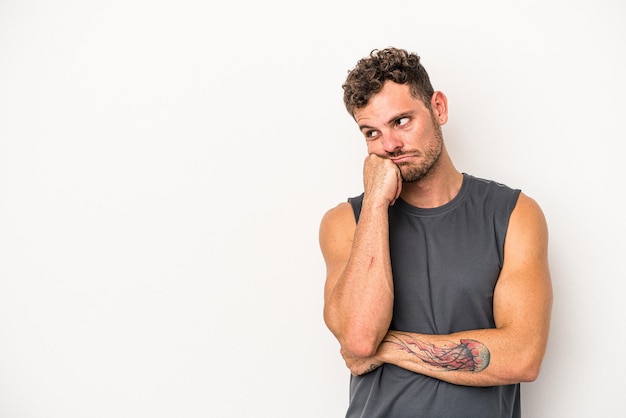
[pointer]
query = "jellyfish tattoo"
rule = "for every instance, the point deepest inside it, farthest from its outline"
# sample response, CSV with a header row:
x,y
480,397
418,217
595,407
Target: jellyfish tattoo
x,y
469,355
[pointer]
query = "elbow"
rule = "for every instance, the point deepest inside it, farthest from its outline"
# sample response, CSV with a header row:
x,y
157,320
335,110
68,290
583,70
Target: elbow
x,y
530,373
531,363
520,368
518,374
356,337
528,369
360,346
359,343
361,339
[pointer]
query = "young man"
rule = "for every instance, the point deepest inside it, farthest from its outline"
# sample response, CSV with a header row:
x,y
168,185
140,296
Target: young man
x,y
438,286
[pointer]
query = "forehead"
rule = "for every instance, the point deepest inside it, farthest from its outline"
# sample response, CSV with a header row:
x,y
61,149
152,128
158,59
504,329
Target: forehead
x,y
393,99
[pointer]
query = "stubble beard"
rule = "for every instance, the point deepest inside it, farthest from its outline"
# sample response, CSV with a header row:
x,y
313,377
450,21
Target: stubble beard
x,y
430,158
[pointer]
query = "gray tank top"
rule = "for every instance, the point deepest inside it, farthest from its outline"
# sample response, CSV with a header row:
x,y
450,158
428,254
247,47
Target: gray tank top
x,y
445,264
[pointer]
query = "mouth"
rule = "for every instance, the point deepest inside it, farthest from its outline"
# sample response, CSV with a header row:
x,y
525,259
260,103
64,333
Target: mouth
x,y
402,158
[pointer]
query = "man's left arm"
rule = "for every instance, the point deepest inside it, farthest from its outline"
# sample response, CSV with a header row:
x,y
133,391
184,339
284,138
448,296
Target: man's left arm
x,y
513,351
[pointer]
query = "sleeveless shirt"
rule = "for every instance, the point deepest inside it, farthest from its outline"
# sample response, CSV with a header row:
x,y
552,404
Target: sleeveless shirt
x,y
445,263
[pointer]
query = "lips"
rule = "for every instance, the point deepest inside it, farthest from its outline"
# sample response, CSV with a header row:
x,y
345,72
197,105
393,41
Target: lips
x,y
402,158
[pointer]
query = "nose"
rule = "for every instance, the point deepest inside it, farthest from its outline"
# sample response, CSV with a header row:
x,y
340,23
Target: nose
x,y
391,142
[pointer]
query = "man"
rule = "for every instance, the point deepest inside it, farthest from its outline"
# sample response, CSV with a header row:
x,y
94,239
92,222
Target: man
x,y
438,286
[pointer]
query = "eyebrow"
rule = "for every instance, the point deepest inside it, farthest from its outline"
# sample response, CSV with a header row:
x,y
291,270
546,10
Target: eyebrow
x,y
365,127
408,113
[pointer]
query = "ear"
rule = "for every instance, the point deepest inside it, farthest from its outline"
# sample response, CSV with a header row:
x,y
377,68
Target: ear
x,y
439,105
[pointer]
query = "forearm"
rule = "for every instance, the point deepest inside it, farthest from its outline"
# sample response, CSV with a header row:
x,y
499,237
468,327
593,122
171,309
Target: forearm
x,y
359,307
486,357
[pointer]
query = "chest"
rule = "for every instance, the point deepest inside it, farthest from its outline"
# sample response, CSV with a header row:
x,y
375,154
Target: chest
x,y
445,270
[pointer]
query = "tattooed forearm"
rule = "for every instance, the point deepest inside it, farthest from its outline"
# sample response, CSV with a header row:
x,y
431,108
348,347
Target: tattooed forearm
x,y
469,355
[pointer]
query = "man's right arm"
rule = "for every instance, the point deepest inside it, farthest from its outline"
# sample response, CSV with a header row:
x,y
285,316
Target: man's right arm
x,y
358,295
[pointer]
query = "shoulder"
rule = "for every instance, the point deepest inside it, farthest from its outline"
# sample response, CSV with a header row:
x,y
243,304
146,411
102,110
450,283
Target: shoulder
x,y
337,228
493,198
344,213
527,212
490,189
528,229
338,217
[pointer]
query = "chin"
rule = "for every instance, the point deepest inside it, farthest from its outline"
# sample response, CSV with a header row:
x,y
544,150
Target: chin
x,y
412,176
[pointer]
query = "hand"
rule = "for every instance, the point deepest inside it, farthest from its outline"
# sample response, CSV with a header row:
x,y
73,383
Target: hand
x,y
358,365
382,180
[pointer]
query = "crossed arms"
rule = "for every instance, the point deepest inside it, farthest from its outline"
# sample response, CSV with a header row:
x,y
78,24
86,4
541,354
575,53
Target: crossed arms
x,y
358,298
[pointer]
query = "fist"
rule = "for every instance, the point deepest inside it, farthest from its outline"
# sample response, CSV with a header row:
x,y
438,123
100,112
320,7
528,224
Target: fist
x,y
382,180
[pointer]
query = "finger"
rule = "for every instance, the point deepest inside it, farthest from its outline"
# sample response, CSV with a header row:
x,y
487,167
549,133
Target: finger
x,y
398,186
399,190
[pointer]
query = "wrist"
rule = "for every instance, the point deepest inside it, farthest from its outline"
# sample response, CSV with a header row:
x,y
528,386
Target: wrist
x,y
373,202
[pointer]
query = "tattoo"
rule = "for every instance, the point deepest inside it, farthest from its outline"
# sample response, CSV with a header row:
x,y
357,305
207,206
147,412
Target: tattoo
x,y
371,368
469,355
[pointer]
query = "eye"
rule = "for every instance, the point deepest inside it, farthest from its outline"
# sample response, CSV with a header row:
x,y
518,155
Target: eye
x,y
402,121
371,135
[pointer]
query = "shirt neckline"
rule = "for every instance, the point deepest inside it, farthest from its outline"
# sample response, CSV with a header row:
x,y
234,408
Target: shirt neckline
x,y
456,201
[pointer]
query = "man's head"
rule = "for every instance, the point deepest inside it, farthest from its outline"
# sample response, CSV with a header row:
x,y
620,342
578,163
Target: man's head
x,y
399,114
368,76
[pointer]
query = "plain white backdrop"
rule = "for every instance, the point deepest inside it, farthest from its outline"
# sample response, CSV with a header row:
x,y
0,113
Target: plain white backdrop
x,y
164,166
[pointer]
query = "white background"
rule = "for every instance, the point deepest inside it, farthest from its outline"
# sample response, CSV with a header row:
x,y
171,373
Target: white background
x,y
164,166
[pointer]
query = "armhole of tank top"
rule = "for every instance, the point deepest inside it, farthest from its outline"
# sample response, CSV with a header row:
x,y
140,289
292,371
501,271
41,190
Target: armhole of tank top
x,y
511,205
501,236
356,203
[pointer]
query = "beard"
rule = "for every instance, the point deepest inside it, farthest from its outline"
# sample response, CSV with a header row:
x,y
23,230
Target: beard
x,y
430,157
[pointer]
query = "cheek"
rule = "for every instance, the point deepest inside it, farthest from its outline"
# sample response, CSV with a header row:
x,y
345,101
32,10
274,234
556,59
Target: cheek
x,y
375,147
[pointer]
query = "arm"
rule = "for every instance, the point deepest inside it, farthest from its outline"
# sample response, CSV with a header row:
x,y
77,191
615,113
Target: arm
x,y
358,295
512,352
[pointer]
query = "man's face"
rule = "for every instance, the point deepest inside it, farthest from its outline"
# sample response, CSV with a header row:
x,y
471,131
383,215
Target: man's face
x,y
400,127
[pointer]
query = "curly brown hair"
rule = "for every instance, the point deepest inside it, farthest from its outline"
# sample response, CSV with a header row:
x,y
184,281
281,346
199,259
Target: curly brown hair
x,y
370,73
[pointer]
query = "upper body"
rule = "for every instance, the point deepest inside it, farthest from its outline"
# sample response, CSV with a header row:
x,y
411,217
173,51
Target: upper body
x,y
445,263
407,159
